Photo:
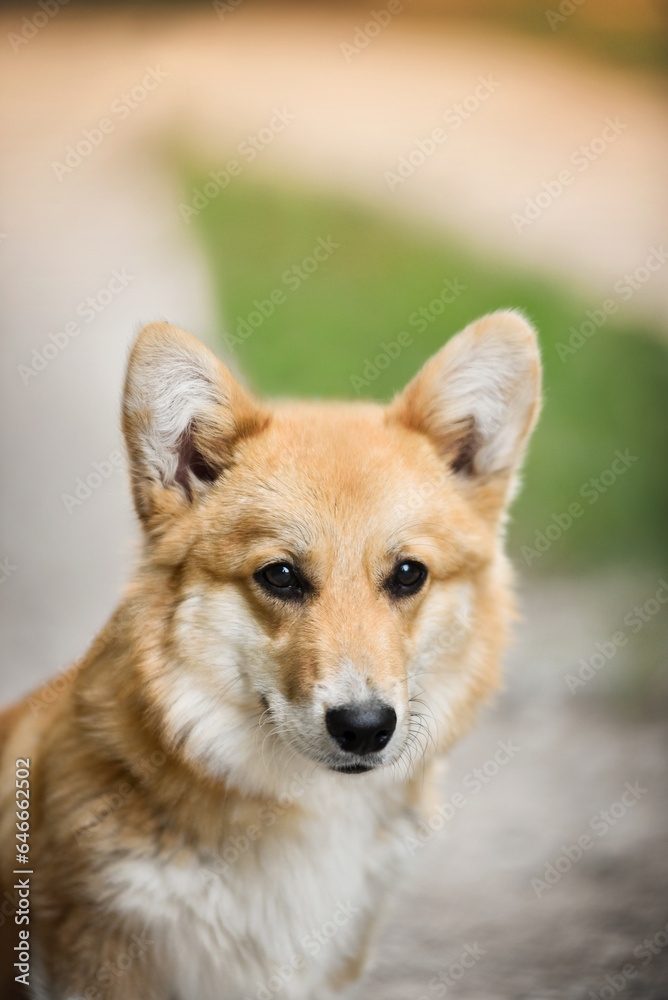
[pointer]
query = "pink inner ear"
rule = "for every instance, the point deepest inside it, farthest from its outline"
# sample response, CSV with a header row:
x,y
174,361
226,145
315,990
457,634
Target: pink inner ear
x,y
191,463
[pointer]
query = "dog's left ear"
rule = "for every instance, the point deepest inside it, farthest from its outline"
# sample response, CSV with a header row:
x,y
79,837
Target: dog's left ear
x,y
183,416
477,399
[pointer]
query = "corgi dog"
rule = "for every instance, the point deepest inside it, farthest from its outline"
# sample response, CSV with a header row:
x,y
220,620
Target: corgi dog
x,y
216,799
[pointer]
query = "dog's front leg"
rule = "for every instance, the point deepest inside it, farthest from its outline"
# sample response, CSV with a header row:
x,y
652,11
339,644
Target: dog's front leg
x,y
103,961
350,969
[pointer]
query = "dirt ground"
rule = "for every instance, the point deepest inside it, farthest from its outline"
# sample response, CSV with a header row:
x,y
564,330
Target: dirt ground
x,y
469,911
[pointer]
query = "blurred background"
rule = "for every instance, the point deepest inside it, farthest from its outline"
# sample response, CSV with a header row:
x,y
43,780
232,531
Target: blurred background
x,y
325,193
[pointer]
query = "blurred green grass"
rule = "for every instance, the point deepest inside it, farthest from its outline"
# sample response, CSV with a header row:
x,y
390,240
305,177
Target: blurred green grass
x,y
610,395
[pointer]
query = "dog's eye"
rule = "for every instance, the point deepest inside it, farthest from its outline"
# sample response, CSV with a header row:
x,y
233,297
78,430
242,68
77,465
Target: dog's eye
x,y
282,580
407,578
280,575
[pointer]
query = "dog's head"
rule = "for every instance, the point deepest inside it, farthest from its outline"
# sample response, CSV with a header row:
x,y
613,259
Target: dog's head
x,y
325,576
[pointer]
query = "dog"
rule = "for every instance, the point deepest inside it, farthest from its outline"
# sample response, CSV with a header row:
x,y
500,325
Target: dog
x,y
218,794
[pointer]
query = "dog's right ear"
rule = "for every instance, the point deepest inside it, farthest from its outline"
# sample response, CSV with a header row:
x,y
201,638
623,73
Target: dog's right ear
x,y
183,413
477,399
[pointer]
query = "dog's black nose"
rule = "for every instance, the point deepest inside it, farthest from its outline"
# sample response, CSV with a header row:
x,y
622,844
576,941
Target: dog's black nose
x,y
362,729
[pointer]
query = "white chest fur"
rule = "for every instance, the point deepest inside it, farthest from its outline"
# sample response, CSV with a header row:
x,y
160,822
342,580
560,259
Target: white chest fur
x,y
283,907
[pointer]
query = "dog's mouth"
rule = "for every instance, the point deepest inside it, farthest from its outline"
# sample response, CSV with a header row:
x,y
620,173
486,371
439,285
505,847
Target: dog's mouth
x,y
352,768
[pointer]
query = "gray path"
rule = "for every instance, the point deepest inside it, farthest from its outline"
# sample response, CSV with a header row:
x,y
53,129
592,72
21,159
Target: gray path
x,y
473,883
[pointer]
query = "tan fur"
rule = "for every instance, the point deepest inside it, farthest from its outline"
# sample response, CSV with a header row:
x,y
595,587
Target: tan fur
x,y
198,658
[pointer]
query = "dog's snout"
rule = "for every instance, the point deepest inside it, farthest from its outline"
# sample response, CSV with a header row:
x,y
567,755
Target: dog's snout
x,y
361,729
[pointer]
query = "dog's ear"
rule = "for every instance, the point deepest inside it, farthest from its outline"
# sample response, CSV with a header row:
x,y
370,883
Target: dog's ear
x,y
183,413
477,399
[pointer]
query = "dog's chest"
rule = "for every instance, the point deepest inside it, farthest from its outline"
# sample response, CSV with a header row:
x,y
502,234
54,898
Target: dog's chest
x,y
280,904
